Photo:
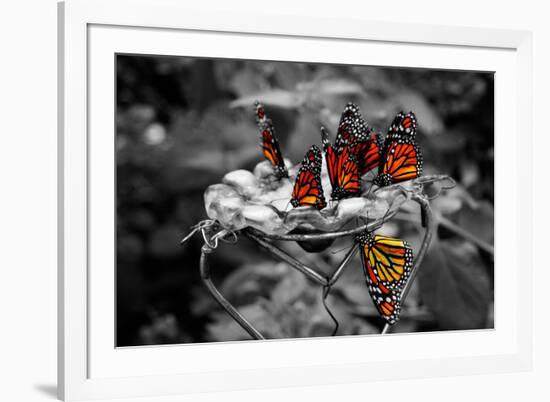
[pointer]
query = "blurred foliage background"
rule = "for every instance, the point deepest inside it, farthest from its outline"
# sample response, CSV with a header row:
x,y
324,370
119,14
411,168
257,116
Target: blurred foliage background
x,y
182,123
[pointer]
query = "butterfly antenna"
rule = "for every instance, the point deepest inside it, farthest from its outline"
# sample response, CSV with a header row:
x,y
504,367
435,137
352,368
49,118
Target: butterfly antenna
x,y
326,290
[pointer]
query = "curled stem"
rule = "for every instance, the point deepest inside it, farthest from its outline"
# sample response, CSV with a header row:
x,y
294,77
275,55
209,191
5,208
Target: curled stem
x,y
326,290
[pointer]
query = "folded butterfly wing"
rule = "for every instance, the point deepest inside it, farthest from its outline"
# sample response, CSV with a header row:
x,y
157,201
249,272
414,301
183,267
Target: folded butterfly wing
x,y
343,170
269,143
401,156
308,190
387,263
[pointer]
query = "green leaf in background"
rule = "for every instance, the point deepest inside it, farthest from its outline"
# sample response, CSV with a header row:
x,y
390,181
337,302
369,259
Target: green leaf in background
x,y
454,285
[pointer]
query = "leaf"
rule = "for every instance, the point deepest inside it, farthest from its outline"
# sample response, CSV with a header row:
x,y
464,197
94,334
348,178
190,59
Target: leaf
x,y
276,97
375,80
252,280
469,172
449,142
447,203
242,82
331,87
454,285
289,289
356,293
478,220
225,328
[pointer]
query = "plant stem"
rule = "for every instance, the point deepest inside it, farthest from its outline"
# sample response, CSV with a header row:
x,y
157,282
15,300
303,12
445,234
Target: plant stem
x,y
227,306
430,226
326,290
371,226
338,272
282,255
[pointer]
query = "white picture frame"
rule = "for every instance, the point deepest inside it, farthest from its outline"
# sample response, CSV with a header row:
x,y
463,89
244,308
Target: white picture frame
x,y
90,367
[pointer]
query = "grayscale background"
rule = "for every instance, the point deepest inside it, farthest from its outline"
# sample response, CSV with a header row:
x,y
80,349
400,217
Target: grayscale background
x,y
182,123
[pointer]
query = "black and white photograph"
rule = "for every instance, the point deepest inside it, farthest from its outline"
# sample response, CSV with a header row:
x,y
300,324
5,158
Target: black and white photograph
x,y
274,200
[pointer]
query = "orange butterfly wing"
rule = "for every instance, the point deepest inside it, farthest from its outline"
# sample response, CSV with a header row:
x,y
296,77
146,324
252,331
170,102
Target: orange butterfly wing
x,y
403,161
331,157
343,170
402,158
354,132
403,124
387,263
348,184
368,152
351,125
308,190
269,142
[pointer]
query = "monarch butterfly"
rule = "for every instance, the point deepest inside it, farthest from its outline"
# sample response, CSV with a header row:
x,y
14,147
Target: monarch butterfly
x,y
269,143
387,264
343,170
353,131
402,159
308,190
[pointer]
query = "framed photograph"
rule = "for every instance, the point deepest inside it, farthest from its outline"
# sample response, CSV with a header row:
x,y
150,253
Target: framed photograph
x,y
252,202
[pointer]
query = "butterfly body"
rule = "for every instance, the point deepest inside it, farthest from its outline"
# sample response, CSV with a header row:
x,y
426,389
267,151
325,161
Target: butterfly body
x,y
401,155
387,264
269,143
